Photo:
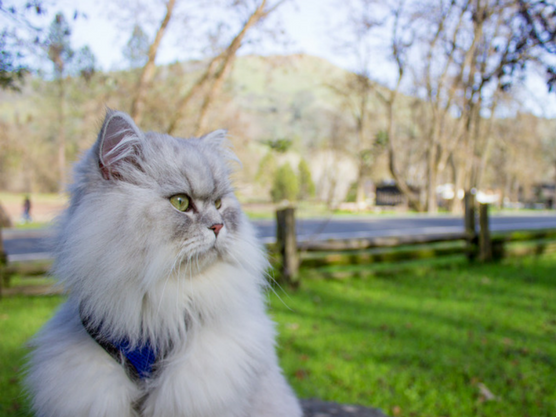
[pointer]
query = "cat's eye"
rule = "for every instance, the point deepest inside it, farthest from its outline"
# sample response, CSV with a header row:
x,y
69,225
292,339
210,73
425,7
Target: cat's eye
x,y
218,203
181,202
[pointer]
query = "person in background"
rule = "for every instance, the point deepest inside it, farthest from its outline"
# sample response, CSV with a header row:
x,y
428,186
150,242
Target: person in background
x,y
27,210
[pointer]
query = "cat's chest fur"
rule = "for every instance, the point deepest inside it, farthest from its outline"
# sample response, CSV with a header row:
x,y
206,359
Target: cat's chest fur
x,y
214,369
214,373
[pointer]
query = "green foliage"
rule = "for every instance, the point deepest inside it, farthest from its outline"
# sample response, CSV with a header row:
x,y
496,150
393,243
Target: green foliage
x,y
381,139
285,185
18,34
267,170
351,196
279,145
426,340
306,184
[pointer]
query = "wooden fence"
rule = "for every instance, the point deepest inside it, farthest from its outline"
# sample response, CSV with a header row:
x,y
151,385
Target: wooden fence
x,y
289,254
477,244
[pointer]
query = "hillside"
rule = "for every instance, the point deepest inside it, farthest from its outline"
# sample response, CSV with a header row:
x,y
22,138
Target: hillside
x,y
266,98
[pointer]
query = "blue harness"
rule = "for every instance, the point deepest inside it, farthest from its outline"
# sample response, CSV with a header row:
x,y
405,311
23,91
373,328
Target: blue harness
x,y
138,362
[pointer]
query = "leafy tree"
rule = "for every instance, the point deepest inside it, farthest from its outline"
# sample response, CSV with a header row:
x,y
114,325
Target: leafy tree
x,y
281,145
306,184
285,185
59,49
136,50
17,35
85,63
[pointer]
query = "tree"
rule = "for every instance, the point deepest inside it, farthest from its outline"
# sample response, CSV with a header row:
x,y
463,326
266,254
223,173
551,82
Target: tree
x,y
60,54
306,184
539,27
357,89
136,50
465,53
17,36
285,185
84,63
210,82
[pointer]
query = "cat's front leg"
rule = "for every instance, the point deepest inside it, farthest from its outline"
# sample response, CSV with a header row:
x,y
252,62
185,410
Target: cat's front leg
x,y
71,375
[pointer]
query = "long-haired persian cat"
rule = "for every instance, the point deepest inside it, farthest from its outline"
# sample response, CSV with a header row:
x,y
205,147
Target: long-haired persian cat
x,y
165,314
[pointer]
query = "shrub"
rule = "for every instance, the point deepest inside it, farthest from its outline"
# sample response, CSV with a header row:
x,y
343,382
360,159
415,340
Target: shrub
x,y
285,185
306,184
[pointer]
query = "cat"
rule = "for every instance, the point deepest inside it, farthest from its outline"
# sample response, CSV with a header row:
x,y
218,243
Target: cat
x,y
156,256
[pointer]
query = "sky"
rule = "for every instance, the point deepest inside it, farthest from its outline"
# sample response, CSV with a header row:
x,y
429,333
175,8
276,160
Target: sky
x,y
307,24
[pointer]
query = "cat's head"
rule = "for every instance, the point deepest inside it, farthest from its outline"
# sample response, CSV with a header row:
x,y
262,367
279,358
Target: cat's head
x,y
147,204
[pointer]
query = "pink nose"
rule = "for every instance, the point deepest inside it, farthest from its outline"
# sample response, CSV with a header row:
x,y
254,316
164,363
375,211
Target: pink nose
x,y
216,228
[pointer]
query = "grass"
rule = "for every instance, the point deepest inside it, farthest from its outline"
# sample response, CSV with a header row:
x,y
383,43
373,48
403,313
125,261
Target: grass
x,y
429,341
20,318
424,338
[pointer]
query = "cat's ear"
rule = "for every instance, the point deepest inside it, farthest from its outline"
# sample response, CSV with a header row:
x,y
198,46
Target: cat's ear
x,y
119,143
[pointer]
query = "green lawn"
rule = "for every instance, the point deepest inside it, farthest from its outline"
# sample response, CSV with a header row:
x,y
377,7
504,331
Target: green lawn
x,y
431,339
427,341
20,318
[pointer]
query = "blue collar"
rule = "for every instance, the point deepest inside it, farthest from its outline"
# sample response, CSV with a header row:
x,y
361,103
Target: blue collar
x,y
139,362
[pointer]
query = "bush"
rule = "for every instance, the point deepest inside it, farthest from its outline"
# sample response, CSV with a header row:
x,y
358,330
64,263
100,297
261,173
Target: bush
x,y
285,185
306,184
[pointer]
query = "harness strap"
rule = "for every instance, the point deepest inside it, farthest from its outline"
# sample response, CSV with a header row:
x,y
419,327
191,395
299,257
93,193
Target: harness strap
x,y
138,362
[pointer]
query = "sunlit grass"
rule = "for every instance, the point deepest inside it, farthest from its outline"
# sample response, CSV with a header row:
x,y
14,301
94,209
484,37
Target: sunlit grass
x,y
428,341
20,318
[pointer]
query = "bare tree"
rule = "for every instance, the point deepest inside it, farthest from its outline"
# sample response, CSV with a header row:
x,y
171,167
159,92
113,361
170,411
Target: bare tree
x,y
211,80
401,40
147,74
356,89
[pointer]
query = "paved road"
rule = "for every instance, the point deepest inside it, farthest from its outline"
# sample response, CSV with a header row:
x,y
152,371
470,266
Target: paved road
x,y
34,244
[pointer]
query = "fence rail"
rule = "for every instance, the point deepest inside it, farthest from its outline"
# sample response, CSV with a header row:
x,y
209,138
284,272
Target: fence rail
x,y
477,245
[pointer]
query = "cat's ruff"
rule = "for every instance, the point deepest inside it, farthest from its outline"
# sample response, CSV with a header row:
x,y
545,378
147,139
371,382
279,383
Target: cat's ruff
x,y
144,265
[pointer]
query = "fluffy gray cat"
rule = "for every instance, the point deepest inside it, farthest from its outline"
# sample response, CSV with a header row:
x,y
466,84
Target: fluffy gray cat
x,y
165,314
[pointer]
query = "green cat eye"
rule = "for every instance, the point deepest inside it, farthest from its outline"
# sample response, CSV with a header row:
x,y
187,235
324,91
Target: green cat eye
x,y
218,203
181,202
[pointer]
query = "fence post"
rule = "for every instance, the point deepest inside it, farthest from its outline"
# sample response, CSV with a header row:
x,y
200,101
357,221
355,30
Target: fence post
x,y
286,243
485,244
469,220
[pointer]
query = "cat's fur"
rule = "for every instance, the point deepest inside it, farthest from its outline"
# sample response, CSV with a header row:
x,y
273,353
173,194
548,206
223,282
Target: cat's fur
x,y
138,268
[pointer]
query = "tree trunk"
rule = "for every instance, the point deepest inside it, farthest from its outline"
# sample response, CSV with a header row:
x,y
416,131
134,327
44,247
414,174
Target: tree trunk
x,y
61,136
412,199
432,175
138,104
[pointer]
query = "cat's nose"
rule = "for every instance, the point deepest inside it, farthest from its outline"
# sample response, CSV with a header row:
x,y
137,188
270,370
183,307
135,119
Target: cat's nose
x,y
216,228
